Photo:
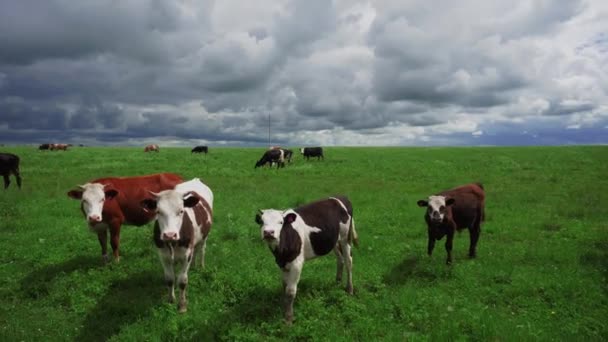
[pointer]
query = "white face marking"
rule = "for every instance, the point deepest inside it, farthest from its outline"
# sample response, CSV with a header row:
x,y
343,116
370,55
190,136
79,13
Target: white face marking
x,y
93,198
271,226
170,214
436,208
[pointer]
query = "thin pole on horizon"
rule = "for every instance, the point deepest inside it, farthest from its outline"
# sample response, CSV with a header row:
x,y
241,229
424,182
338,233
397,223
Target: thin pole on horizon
x,y
269,130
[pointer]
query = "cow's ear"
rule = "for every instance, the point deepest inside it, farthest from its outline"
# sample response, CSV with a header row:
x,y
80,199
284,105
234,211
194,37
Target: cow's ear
x,y
449,201
111,193
75,194
289,219
423,203
258,218
148,204
191,201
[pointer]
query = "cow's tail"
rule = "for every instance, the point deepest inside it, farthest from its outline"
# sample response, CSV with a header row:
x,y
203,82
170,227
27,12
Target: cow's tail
x,y
353,238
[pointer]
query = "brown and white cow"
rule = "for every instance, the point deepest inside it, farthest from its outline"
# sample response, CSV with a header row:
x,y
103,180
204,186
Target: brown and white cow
x,y
57,147
452,210
152,147
306,232
183,222
108,203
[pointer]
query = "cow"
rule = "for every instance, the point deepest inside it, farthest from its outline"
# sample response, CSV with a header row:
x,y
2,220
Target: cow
x,y
57,147
453,210
108,203
270,157
288,154
308,152
44,147
152,147
9,164
306,232
200,149
183,222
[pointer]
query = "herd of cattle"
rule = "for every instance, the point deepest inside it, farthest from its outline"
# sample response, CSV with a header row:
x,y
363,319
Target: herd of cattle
x,y
182,212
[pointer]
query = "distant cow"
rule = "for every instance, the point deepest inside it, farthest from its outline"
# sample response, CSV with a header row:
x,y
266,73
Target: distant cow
x,y
452,210
179,237
57,147
44,147
107,203
152,148
288,154
308,152
200,149
9,164
270,157
306,232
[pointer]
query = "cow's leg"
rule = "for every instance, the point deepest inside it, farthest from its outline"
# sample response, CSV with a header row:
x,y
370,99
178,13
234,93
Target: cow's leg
x,y
431,244
115,239
348,259
182,280
200,250
7,181
291,277
102,236
166,258
474,232
448,245
18,176
340,263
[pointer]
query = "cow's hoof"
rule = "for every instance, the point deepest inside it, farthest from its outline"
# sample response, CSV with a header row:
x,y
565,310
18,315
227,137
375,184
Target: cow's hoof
x,y
289,321
182,309
349,290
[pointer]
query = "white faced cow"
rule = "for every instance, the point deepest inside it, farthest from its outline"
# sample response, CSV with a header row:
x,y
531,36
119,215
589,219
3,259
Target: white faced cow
x,y
183,222
306,232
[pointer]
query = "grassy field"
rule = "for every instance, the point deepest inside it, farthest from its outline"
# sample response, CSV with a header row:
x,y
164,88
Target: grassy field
x,y
541,271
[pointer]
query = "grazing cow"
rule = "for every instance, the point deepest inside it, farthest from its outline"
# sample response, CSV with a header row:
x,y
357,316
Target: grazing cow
x,y
200,149
306,232
270,157
183,222
308,152
57,147
44,147
288,154
107,203
452,210
152,147
9,164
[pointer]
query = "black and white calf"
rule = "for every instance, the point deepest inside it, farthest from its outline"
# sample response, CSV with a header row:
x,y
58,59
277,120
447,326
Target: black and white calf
x,y
183,222
306,232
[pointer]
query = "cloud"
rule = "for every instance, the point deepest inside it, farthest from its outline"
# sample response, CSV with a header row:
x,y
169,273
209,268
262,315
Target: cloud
x,y
382,72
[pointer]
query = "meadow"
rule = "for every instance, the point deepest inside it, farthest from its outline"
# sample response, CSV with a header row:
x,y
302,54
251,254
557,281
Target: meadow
x,y
541,271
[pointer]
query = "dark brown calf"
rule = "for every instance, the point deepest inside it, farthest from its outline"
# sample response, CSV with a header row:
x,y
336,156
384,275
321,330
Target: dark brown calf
x,y
9,164
452,210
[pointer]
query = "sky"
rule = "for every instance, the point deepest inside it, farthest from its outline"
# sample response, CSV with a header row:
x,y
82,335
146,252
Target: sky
x,y
346,73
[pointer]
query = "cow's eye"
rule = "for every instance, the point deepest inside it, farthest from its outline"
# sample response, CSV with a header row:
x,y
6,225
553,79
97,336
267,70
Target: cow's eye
x,y
102,200
180,212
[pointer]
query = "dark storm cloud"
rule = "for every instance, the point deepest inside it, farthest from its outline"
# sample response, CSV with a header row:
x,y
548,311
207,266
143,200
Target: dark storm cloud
x,y
326,72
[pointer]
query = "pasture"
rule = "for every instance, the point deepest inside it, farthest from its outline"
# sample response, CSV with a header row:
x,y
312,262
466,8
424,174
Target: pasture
x,y
541,271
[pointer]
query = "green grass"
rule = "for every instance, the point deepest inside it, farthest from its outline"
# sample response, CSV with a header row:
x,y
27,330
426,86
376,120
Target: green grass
x,y
541,271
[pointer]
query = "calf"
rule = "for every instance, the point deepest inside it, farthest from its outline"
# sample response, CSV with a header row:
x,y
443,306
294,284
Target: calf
x,y
152,147
200,149
270,157
9,164
107,203
308,152
306,232
183,222
452,210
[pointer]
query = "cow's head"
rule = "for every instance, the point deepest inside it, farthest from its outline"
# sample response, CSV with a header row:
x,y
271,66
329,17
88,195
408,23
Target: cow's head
x,y
272,222
93,197
437,207
302,150
169,208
